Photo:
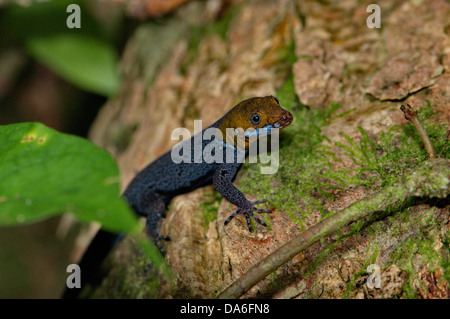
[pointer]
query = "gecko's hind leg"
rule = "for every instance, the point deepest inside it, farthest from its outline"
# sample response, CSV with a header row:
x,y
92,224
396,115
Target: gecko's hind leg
x,y
155,207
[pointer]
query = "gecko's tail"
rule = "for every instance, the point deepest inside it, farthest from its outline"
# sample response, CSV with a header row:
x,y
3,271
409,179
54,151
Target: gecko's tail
x,y
92,259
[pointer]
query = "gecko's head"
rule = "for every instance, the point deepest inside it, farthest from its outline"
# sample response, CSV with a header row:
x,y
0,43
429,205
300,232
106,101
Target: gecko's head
x,y
256,116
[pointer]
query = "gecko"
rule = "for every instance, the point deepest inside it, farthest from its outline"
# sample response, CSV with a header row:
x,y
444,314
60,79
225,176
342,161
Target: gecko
x,y
151,190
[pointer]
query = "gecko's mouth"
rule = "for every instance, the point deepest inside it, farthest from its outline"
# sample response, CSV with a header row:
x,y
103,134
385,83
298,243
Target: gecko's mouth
x,y
285,119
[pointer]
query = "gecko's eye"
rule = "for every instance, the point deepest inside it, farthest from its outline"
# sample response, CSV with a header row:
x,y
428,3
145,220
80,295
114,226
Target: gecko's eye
x,y
276,100
256,118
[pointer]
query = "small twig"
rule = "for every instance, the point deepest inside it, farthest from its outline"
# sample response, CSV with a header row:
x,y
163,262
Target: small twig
x,y
411,115
431,179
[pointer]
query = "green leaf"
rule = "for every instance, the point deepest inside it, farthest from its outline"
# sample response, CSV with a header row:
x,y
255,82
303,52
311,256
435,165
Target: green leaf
x,y
85,61
45,173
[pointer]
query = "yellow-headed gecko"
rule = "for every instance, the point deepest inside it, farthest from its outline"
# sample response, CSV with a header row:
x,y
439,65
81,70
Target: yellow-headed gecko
x,y
152,189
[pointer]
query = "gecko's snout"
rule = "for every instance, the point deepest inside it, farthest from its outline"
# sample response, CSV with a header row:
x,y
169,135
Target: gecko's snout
x,y
286,119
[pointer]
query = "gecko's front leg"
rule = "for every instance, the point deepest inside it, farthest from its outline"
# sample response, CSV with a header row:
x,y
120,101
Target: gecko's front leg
x,y
222,182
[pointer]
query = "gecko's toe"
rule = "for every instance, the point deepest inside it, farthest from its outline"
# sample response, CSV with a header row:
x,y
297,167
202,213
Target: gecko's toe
x,y
159,244
250,215
247,219
259,220
259,201
231,216
259,210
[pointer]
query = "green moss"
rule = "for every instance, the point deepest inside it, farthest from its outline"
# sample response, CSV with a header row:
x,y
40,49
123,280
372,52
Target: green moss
x,y
134,277
288,53
354,229
305,177
445,261
370,259
222,25
396,151
274,281
319,258
422,244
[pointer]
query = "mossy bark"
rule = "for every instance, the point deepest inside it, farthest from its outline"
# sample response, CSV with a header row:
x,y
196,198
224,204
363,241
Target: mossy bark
x,y
343,82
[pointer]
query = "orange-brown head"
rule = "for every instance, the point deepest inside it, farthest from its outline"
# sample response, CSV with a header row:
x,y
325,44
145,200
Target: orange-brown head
x,y
259,113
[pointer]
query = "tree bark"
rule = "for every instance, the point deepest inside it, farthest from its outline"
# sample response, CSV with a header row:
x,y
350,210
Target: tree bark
x,y
206,58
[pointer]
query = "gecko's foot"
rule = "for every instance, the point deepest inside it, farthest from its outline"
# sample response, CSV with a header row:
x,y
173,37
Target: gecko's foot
x,y
153,227
159,244
247,212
